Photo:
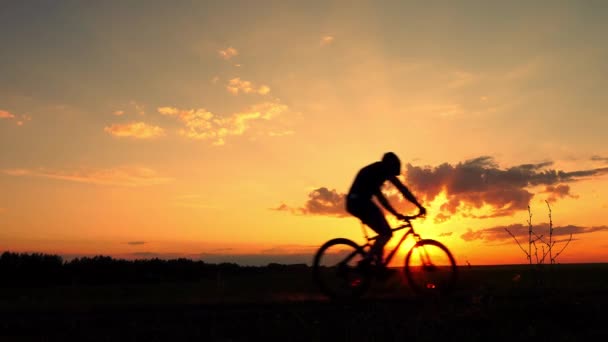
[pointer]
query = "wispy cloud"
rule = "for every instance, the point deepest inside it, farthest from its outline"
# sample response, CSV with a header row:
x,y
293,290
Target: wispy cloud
x,y
600,159
559,191
524,70
441,110
19,120
24,118
459,79
290,249
203,125
228,53
263,90
6,115
130,108
16,172
326,40
520,231
139,108
321,201
121,176
138,130
136,243
236,86
281,133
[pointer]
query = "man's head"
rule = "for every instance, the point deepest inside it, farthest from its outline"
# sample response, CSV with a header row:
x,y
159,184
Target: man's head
x,y
391,163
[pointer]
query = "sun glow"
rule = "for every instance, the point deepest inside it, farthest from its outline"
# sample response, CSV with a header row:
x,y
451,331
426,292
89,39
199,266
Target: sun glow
x,y
429,227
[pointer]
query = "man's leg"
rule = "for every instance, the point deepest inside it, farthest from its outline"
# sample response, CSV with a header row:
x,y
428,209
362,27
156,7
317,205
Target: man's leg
x,y
377,222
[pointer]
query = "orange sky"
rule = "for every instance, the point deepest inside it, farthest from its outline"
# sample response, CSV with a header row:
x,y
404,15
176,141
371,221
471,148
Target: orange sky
x,y
231,133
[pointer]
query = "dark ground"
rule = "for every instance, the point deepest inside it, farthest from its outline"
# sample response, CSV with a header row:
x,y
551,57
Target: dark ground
x,y
559,303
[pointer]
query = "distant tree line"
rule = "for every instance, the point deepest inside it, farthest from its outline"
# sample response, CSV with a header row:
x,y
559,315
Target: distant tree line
x,y
37,269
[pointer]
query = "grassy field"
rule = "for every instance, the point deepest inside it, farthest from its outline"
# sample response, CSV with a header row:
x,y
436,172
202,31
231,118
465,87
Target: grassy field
x,y
555,302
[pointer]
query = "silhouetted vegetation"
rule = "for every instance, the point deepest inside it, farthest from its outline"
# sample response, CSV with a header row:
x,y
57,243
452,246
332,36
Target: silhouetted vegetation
x,y
36,269
545,243
105,299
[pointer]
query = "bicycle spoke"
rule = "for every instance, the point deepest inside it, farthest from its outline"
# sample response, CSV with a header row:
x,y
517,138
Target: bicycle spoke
x,y
430,267
337,271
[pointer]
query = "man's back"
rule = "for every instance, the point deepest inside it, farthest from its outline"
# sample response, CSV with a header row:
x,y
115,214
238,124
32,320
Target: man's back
x,y
368,181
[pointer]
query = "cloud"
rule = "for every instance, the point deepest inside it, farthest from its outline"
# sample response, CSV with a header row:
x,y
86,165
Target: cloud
x,y
237,85
321,201
446,110
138,130
558,192
600,159
19,120
228,53
16,172
479,182
263,90
281,133
6,115
441,217
525,70
23,120
131,107
459,79
201,124
222,250
326,40
121,176
476,188
520,231
136,243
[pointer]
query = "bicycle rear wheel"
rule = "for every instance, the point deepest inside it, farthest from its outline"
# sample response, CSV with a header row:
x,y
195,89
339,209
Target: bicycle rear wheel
x,y
430,268
337,272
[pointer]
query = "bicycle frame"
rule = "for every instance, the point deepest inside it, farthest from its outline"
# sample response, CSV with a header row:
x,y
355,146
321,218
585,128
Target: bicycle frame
x,y
390,256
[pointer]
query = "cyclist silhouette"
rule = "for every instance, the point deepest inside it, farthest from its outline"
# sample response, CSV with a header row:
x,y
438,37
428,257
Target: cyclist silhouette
x,y
366,185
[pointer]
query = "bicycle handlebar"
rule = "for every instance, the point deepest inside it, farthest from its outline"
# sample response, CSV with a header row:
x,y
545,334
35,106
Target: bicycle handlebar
x,y
407,218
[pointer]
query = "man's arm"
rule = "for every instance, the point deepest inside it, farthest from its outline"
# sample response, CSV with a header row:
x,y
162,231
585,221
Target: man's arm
x,y
385,203
407,193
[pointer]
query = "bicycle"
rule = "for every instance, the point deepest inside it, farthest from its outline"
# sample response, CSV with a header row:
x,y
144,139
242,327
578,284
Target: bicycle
x,y
339,273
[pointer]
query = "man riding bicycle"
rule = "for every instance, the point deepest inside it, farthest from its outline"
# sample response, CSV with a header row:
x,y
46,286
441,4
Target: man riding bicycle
x,y
367,184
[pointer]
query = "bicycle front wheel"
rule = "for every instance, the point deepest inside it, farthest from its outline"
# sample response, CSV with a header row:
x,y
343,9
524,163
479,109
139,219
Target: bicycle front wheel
x,y
337,272
430,268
